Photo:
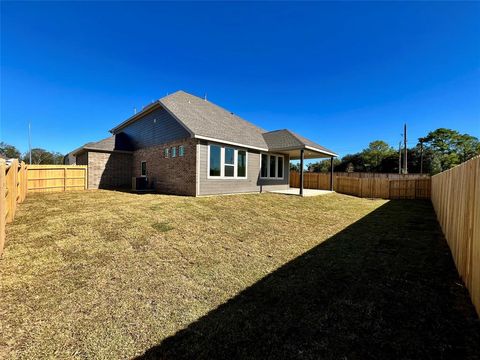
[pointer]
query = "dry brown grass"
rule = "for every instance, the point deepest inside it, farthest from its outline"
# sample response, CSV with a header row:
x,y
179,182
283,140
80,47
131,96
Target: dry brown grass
x,y
108,275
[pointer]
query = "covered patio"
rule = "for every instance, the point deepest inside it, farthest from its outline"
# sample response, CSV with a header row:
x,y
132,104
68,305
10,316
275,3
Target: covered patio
x,y
299,148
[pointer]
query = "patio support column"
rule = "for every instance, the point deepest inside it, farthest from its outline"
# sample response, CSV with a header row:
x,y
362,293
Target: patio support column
x,y
331,173
301,172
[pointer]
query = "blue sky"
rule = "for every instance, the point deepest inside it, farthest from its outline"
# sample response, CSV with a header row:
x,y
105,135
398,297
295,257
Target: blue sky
x,y
342,74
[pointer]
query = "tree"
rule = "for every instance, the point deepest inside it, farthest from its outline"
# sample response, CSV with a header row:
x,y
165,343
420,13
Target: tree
x,y
323,166
39,156
9,151
294,167
377,151
445,148
351,163
57,158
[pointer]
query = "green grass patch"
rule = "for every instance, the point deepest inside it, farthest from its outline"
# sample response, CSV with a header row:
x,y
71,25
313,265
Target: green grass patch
x,y
162,227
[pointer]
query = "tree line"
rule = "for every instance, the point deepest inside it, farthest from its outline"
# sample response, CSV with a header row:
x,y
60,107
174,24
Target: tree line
x,y
39,156
438,151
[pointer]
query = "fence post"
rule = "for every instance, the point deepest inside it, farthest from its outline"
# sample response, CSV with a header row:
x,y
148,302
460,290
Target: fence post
x,y
24,181
3,205
11,197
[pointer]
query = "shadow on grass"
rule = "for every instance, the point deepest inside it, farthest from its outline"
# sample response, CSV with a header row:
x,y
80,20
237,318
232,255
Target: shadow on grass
x,y
385,287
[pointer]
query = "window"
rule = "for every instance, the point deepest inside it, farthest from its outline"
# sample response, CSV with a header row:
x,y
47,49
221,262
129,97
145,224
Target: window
x,y
280,167
242,163
271,167
214,160
264,172
227,162
181,150
174,151
165,152
144,168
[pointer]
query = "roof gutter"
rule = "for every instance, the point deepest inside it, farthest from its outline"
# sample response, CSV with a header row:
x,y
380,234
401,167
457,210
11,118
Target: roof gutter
x,y
229,142
321,151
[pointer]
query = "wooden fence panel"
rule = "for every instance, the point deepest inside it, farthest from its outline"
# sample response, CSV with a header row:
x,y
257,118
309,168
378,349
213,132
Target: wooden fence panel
x,y
349,186
456,199
46,178
2,204
367,186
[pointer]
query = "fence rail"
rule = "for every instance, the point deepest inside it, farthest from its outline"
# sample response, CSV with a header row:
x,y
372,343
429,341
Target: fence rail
x,y
456,199
405,187
18,179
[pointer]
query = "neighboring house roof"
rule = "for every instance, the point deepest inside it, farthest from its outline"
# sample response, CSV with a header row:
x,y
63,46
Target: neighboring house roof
x,y
117,142
205,120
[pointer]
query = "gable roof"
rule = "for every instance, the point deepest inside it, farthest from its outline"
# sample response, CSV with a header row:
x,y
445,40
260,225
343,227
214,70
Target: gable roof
x,y
205,120
117,142
287,140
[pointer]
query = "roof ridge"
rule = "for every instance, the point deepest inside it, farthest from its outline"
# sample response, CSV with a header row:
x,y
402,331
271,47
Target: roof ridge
x,y
237,117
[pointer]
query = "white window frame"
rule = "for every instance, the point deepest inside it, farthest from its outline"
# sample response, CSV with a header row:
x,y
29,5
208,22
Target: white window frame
x,y
222,163
181,153
141,168
276,177
173,152
166,152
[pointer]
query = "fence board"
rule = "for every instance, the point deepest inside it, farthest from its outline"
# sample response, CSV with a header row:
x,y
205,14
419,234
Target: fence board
x,y
411,186
456,199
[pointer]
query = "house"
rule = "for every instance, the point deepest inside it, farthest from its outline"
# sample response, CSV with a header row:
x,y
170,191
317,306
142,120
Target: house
x,y
186,145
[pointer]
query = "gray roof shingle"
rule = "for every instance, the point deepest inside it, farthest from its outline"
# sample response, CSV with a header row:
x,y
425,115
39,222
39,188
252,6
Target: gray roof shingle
x,y
117,142
286,139
204,119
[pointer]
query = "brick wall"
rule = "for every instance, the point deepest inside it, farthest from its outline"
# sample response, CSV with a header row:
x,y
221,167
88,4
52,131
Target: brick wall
x,y
109,170
169,175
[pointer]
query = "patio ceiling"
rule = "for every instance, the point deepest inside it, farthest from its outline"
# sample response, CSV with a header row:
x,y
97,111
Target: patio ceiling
x,y
308,154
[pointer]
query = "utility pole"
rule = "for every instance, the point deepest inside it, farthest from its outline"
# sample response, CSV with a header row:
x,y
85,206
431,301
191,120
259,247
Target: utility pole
x,y
399,157
405,167
30,143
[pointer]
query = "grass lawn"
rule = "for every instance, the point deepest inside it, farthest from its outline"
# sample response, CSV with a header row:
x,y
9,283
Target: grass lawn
x,y
111,275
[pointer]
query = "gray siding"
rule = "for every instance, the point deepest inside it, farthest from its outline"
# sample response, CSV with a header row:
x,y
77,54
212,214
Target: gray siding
x,y
253,183
155,128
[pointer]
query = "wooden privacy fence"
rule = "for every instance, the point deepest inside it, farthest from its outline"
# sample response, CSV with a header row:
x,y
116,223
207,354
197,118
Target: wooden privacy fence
x,y
371,187
18,179
456,199
382,175
13,190
43,178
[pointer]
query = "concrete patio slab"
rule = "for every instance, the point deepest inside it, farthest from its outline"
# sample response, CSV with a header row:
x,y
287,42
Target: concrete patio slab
x,y
306,192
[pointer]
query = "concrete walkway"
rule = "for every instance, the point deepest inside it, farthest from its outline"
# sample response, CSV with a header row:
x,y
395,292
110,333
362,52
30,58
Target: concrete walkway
x,y
306,192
